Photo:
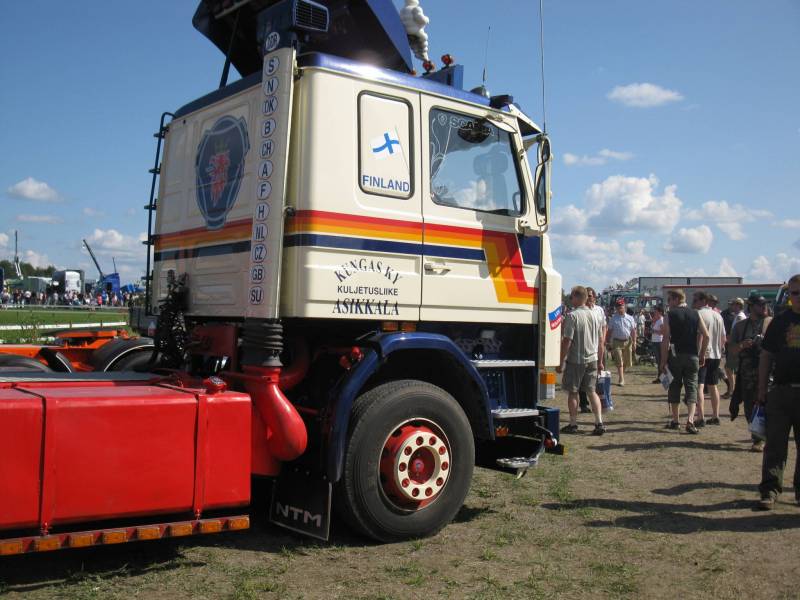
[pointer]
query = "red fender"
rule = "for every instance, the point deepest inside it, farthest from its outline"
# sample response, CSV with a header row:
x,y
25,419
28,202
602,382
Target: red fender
x,y
286,432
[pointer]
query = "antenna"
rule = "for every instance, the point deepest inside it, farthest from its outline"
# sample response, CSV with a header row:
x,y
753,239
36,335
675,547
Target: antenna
x,y
486,55
541,52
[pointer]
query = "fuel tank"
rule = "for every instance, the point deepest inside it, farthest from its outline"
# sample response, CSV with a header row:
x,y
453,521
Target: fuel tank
x,y
86,448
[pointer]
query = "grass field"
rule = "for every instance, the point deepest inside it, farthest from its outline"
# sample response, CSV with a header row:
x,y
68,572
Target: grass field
x,y
642,512
33,320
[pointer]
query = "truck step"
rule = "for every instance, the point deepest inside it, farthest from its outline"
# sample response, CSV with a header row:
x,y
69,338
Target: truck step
x,y
518,462
502,364
514,413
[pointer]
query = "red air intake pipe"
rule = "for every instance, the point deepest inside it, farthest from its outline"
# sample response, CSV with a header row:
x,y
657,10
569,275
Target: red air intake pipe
x,y
298,369
286,433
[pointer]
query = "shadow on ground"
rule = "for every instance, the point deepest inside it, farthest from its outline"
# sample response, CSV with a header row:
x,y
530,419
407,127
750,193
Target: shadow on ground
x,y
682,443
31,572
683,518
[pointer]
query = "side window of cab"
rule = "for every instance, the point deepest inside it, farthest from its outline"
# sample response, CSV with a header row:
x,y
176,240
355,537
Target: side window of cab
x,y
473,165
385,158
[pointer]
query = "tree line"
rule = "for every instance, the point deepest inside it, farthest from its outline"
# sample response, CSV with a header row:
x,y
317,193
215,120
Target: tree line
x,y
28,270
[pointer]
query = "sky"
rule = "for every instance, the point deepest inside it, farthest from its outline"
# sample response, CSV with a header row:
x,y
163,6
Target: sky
x,y
675,125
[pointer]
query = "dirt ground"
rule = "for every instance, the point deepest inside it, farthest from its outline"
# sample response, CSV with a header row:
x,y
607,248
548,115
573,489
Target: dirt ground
x,y
640,512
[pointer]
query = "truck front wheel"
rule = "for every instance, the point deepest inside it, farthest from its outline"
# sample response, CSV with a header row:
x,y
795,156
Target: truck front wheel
x,y
408,463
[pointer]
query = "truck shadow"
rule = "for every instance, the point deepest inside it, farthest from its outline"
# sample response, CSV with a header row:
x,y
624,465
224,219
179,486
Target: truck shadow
x,y
30,572
682,518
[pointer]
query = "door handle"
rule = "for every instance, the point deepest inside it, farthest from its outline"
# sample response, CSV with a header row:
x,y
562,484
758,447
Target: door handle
x,y
436,267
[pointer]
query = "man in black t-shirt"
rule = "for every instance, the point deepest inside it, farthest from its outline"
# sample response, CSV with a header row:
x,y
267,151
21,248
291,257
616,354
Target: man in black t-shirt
x,y
684,333
781,348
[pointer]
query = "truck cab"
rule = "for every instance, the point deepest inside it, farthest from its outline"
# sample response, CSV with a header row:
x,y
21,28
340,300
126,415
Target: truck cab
x,y
353,290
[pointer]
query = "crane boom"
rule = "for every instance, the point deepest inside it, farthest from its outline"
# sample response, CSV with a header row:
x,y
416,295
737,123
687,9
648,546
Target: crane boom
x,y
94,259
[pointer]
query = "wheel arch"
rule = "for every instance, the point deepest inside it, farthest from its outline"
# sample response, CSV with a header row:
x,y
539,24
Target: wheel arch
x,y
428,357
105,357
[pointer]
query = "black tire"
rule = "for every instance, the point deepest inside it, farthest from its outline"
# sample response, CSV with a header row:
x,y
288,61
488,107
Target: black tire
x,y
361,498
22,364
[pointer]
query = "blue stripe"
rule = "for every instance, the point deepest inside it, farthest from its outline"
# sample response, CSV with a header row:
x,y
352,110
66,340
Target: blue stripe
x,y
531,249
347,243
454,252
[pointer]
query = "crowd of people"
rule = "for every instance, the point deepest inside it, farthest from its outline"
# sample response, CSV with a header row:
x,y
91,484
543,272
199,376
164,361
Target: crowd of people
x,y
695,348
20,298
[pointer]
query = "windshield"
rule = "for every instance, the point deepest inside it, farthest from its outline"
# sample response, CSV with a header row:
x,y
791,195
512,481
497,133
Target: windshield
x,y
473,165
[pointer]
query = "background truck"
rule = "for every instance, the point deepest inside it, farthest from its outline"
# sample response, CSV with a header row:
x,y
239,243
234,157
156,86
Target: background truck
x,y
653,286
68,280
355,299
727,292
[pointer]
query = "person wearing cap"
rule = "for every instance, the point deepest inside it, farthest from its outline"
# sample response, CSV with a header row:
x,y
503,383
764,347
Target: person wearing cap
x,y
745,346
730,316
781,349
622,335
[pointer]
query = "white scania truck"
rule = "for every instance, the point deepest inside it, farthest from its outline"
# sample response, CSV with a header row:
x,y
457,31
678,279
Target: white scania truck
x,y
374,239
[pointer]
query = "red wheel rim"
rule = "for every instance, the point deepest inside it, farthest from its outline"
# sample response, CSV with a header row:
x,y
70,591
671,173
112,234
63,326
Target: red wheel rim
x,y
415,464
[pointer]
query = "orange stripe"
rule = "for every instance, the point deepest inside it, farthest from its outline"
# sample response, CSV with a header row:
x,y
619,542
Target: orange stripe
x,y
200,236
501,249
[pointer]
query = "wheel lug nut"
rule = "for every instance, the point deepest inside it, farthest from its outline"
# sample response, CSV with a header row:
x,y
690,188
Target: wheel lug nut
x,y
445,466
407,451
402,467
432,441
442,450
415,492
420,441
405,483
428,491
439,481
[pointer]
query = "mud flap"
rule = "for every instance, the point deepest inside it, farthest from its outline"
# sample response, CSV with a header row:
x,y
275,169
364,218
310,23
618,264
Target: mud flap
x,y
301,501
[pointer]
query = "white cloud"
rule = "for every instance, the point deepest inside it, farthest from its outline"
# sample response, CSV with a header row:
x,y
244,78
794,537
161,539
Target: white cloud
x,y
51,219
691,240
37,260
788,224
601,158
732,230
570,219
780,268
92,212
621,205
32,189
603,261
762,270
643,95
112,243
727,217
584,247
631,203
3,240
726,269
